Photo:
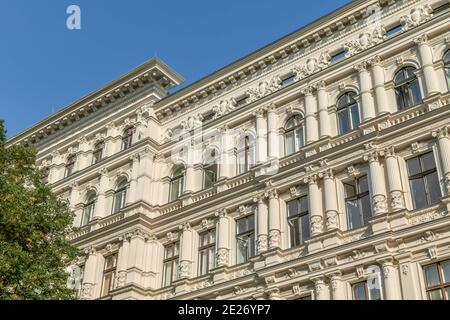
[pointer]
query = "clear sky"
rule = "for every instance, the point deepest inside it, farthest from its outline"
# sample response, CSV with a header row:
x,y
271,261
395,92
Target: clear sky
x,y
45,67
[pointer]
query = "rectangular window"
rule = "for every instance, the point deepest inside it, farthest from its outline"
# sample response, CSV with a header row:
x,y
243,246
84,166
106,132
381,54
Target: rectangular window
x,y
78,278
207,251
357,202
423,180
362,291
437,280
109,274
245,238
170,263
338,56
394,30
288,79
209,176
298,221
242,100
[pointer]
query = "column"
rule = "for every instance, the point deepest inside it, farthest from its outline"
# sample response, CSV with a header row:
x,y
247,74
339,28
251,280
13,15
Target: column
x,y
377,183
274,220
185,267
136,255
55,168
312,133
331,211
145,176
338,291
324,117
426,58
83,155
443,138
391,281
110,145
122,260
74,195
223,247
261,136
315,205
90,269
225,159
321,291
365,84
396,196
378,83
262,227
272,123
134,176
100,208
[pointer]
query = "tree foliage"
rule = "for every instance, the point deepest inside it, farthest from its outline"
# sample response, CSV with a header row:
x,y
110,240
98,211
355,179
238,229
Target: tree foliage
x,y
34,223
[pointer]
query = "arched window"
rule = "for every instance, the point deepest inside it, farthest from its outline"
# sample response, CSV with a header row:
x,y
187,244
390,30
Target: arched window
x,y
447,68
88,209
407,89
97,154
348,113
120,195
127,138
70,164
294,135
246,154
210,168
177,183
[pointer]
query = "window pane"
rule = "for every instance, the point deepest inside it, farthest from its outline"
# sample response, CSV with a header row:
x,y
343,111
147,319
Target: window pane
x,y
167,273
213,235
350,189
292,208
359,291
400,98
305,233
294,231
107,279
354,114
434,190
303,203
353,214
363,185
241,251
366,209
212,258
375,294
251,245
413,166
290,144
418,193
251,222
241,225
428,161
446,271
343,121
299,138
203,262
435,295
432,276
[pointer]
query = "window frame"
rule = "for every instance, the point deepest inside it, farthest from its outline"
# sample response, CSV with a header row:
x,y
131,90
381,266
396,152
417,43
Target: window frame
x,y
403,88
358,196
179,177
90,203
97,153
106,271
350,103
245,151
122,190
442,286
127,138
445,57
296,130
368,295
422,176
248,234
207,248
298,216
173,260
70,165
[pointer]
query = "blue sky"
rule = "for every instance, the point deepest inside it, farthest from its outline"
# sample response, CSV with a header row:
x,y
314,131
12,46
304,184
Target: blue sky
x,y
45,67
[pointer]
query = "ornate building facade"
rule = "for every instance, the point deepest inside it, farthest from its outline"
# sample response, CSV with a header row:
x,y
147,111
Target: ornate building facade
x,y
317,167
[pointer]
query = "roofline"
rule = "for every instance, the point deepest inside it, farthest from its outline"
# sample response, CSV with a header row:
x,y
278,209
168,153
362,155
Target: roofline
x,y
147,66
260,52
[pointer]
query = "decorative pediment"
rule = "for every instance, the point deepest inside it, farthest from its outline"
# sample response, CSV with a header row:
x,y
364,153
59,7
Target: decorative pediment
x,y
365,41
416,17
222,108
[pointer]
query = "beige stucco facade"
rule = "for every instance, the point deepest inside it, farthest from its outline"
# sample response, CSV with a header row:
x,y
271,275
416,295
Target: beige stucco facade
x,y
360,49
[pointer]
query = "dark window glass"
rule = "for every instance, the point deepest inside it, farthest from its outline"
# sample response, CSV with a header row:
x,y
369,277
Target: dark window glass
x,y
423,180
98,152
361,291
127,138
407,89
245,238
207,251
120,197
88,210
298,221
338,56
170,263
288,79
348,113
437,280
394,30
357,202
177,184
70,164
294,134
246,155
210,169
447,68
109,274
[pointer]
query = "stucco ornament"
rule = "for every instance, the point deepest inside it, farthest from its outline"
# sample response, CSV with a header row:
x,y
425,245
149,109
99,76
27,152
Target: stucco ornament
x,y
222,108
261,243
397,200
222,256
312,65
332,220
379,204
264,88
316,224
274,238
121,278
416,17
184,269
192,122
365,41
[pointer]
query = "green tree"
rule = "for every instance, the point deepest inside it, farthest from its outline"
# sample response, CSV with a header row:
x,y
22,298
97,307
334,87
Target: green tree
x,y
34,223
